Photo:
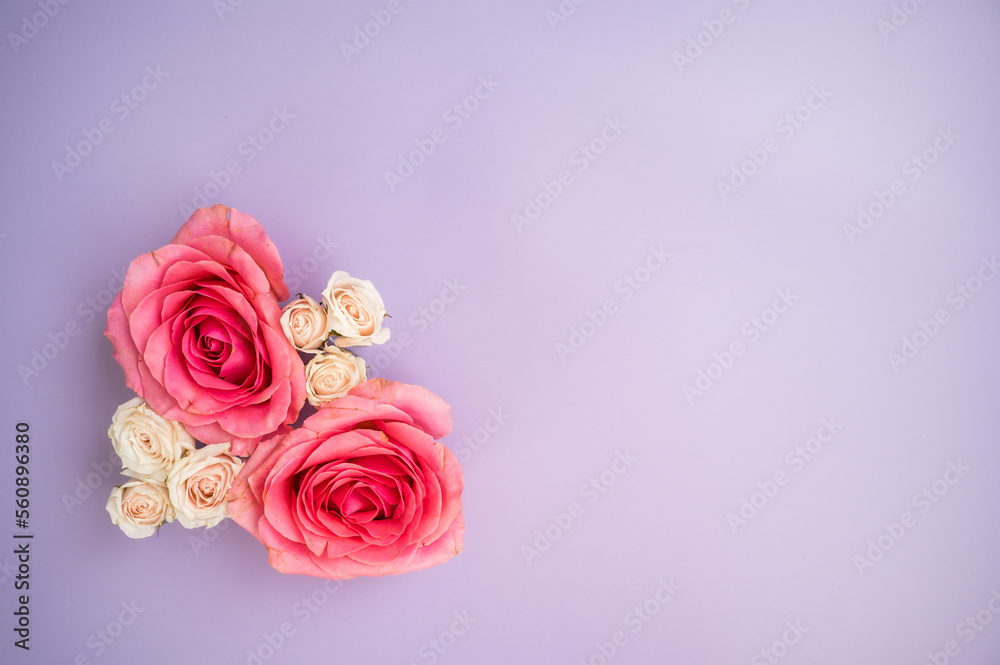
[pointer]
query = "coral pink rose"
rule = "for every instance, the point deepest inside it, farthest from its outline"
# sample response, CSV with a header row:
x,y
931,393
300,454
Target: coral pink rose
x,y
197,330
362,488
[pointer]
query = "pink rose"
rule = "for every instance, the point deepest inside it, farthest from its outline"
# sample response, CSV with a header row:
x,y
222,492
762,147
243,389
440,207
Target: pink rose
x,y
362,488
197,330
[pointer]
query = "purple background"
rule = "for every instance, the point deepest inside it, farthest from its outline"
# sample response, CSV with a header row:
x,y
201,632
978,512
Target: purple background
x,y
322,179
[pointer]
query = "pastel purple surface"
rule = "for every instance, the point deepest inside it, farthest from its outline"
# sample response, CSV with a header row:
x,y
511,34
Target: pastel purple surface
x,y
710,288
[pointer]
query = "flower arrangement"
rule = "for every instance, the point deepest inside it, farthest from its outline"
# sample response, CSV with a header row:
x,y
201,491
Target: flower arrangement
x,y
360,487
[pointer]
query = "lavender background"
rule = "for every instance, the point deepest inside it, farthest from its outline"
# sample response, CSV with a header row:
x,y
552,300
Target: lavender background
x,y
525,288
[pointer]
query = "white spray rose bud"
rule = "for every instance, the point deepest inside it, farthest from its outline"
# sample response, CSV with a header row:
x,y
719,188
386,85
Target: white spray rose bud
x,y
305,323
198,484
147,443
139,506
355,311
332,374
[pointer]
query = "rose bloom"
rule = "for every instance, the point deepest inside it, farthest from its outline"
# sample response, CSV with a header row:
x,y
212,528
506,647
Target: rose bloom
x,y
139,506
145,442
197,330
304,322
355,311
332,374
362,488
198,485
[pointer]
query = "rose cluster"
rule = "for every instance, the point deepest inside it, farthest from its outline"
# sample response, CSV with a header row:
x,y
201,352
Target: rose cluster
x,y
361,487
351,314
172,479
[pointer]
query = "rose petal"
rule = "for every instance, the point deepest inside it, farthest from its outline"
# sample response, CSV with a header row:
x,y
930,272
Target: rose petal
x,y
243,230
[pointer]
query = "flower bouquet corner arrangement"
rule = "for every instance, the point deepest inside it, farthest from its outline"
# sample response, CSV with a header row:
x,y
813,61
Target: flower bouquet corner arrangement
x,y
361,487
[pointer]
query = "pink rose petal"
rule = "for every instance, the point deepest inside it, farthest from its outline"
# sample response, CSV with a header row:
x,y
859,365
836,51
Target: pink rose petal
x,y
360,489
